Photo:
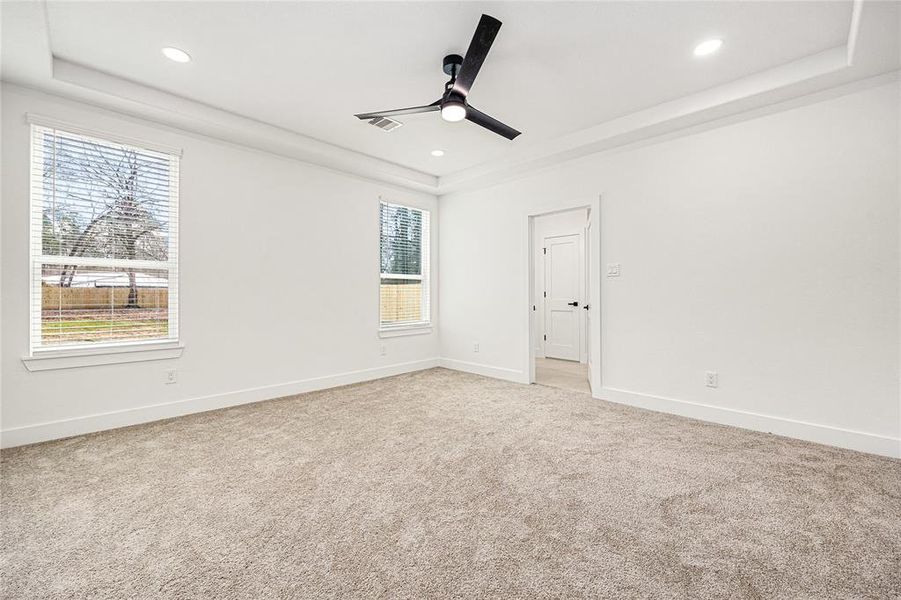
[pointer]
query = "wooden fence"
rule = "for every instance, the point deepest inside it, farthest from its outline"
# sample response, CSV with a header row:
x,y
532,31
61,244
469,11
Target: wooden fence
x,y
56,297
400,302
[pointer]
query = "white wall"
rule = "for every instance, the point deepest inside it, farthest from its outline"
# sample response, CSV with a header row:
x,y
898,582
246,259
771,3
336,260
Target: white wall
x,y
278,285
767,250
570,222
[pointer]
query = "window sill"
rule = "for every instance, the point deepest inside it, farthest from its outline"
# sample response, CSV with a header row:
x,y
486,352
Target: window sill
x,y
390,332
48,360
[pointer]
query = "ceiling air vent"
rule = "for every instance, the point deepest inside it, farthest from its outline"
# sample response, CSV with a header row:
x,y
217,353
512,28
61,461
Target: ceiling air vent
x,y
385,124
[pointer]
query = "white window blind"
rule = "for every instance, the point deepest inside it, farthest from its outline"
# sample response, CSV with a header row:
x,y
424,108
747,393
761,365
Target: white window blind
x,y
404,257
104,242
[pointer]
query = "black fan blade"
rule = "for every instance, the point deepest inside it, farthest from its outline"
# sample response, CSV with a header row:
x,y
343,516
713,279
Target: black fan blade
x,y
488,122
414,110
475,56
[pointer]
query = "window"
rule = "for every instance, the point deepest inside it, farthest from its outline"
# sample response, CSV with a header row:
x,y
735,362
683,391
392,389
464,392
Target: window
x,y
104,232
404,253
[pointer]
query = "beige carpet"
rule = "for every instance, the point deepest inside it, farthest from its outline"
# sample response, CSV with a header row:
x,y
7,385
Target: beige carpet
x,y
441,484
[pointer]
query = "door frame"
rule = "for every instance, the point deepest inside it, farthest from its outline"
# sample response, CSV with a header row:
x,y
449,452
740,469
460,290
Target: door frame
x,y
593,244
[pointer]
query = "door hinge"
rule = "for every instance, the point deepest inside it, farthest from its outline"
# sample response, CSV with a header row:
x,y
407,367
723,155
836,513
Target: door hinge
x,y
545,250
545,294
545,337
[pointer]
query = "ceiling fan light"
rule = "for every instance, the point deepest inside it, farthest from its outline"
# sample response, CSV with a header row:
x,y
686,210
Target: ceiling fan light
x,y
453,111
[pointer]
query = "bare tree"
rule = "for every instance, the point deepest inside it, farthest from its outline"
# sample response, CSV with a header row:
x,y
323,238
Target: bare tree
x,y
107,202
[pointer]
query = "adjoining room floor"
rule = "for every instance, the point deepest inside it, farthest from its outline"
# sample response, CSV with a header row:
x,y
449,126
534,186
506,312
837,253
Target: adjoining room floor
x,y
442,484
566,374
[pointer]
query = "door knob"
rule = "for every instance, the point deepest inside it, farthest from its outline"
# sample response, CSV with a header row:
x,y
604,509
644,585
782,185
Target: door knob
x,y
572,303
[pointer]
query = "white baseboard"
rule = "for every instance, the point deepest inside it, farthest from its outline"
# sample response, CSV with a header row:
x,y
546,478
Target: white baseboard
x,y
823,434
513,375
812,432
54,430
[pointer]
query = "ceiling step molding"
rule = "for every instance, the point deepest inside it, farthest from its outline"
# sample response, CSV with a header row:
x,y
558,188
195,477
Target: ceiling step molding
x,y
168,109
710,105
711,120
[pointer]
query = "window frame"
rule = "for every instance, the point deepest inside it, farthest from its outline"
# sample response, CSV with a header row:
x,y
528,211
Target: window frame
x,y
104,352
423,325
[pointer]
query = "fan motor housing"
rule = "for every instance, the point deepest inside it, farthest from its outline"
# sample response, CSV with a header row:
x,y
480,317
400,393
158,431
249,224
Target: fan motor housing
x,y
452,64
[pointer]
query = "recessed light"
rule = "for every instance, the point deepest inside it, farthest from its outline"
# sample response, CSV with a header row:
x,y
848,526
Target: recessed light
x,y
708,47
437,152
179,56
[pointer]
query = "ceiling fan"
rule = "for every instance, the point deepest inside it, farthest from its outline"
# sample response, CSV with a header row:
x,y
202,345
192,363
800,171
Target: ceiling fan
x,y
453,104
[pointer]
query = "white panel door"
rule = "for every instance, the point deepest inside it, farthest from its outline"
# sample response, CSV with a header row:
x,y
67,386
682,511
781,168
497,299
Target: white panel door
x,y
562,284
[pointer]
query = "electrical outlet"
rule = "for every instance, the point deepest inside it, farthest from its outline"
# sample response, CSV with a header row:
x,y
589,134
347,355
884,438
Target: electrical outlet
x,y
614,270
475,347
383,350
711,379
171,376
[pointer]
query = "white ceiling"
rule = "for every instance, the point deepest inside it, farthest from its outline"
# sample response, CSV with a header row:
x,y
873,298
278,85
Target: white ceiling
x,y
555,68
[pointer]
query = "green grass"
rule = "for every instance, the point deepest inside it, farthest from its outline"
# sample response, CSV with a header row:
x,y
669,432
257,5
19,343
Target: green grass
x,y
90,330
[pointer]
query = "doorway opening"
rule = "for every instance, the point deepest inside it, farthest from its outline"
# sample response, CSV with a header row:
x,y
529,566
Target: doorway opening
x,y
561,316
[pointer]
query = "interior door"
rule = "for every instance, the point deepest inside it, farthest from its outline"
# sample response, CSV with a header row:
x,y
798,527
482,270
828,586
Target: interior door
x,y
562,283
